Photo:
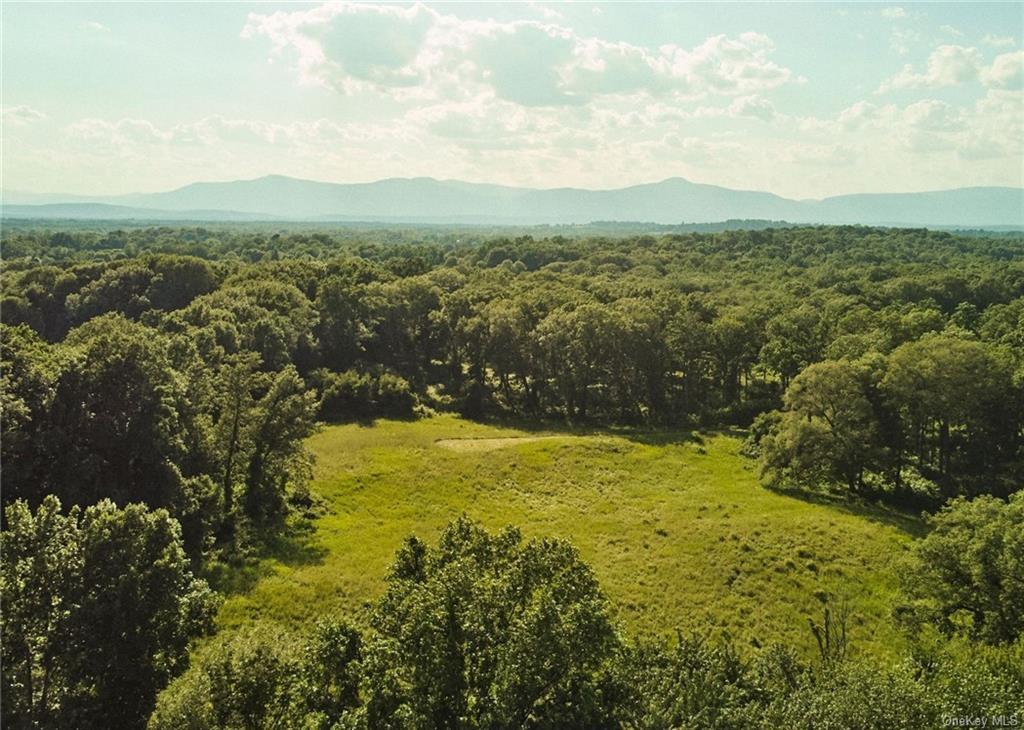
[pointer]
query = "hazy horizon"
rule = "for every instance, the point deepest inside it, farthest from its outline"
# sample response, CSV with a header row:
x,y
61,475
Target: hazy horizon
x,y
585,188
804,101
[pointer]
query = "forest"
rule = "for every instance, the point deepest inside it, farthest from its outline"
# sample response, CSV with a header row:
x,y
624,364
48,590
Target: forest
x,y
161,387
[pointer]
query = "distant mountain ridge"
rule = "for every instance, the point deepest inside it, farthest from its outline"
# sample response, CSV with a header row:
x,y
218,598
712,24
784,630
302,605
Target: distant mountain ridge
x,y
670,201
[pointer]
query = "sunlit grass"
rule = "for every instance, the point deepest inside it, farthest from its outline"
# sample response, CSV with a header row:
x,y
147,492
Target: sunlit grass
x,y
676,527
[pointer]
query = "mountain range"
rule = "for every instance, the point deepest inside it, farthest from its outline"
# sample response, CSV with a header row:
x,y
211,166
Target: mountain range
x,y
426,200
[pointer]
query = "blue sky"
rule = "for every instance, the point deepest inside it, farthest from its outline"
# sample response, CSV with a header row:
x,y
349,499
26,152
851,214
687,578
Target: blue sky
x,y
805,100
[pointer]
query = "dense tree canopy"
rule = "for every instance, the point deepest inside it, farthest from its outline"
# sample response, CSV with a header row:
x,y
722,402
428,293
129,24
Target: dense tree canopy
x,y
683,328
99,609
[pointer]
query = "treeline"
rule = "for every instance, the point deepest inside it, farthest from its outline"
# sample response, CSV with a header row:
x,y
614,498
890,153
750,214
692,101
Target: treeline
x,y
890,360
122,411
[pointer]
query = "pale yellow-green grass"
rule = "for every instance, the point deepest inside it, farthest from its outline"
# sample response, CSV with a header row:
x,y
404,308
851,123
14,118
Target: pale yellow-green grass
x,y
677,529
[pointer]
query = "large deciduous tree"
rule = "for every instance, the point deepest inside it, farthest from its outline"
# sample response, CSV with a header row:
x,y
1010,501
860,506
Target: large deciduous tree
x,y
968,572
827,432
488,631
99,609
960,418
117,419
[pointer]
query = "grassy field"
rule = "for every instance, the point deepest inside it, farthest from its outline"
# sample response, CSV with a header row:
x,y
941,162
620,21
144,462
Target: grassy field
x,y
675,526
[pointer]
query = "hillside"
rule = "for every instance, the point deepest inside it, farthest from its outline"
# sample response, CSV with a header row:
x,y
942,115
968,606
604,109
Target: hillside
x,y
675,525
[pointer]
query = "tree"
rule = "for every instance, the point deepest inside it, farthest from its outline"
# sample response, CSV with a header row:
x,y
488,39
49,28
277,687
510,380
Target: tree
x,y
827,432
584,350
261,677
968,572
736,339
118,418
38,297
793,341
688,338
959,412
121,288
696,683
28,369
178,280
234,404
269,317
280,420
488,631
339,329
99,608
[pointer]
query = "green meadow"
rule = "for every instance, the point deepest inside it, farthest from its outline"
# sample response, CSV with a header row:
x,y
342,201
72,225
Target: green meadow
x,y
675,524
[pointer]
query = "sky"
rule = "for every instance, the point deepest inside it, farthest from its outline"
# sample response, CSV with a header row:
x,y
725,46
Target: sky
x,y
805,100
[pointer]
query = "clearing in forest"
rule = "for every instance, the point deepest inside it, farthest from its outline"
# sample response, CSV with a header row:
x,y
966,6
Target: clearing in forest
x,y
675,525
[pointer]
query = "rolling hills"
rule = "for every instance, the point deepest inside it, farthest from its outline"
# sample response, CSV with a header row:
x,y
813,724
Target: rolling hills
x,y
426,200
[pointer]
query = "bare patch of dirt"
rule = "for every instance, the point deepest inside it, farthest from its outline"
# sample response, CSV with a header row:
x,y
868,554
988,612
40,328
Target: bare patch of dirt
x,y
489,444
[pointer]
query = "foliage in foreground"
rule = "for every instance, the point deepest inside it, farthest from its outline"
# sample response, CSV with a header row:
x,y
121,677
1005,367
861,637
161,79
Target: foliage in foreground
x,y
99,610
491,631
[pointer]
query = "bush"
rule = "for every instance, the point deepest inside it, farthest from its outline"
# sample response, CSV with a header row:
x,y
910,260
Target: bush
x,y
855,697
262,677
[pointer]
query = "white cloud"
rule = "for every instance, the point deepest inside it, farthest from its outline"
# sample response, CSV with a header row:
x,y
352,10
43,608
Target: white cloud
x,y
901,39
544,10
999,41
529,102
96,27
803,153
948,65
420,53
214,130
752,106
1006,71
893,13
697,151
121,133
856,116
929,130
21,115
950,30
932,115
926,143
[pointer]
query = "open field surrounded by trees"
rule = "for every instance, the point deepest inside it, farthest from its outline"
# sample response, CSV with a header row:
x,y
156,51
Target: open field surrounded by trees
x,y
424,478
675,525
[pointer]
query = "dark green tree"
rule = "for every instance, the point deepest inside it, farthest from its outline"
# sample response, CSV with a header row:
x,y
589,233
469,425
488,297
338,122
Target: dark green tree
x,y
99,609
967,574
488,631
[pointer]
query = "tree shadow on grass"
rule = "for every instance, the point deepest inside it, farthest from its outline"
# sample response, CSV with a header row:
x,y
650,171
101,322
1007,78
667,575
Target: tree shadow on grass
x,y
293,544
369,421
905,521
